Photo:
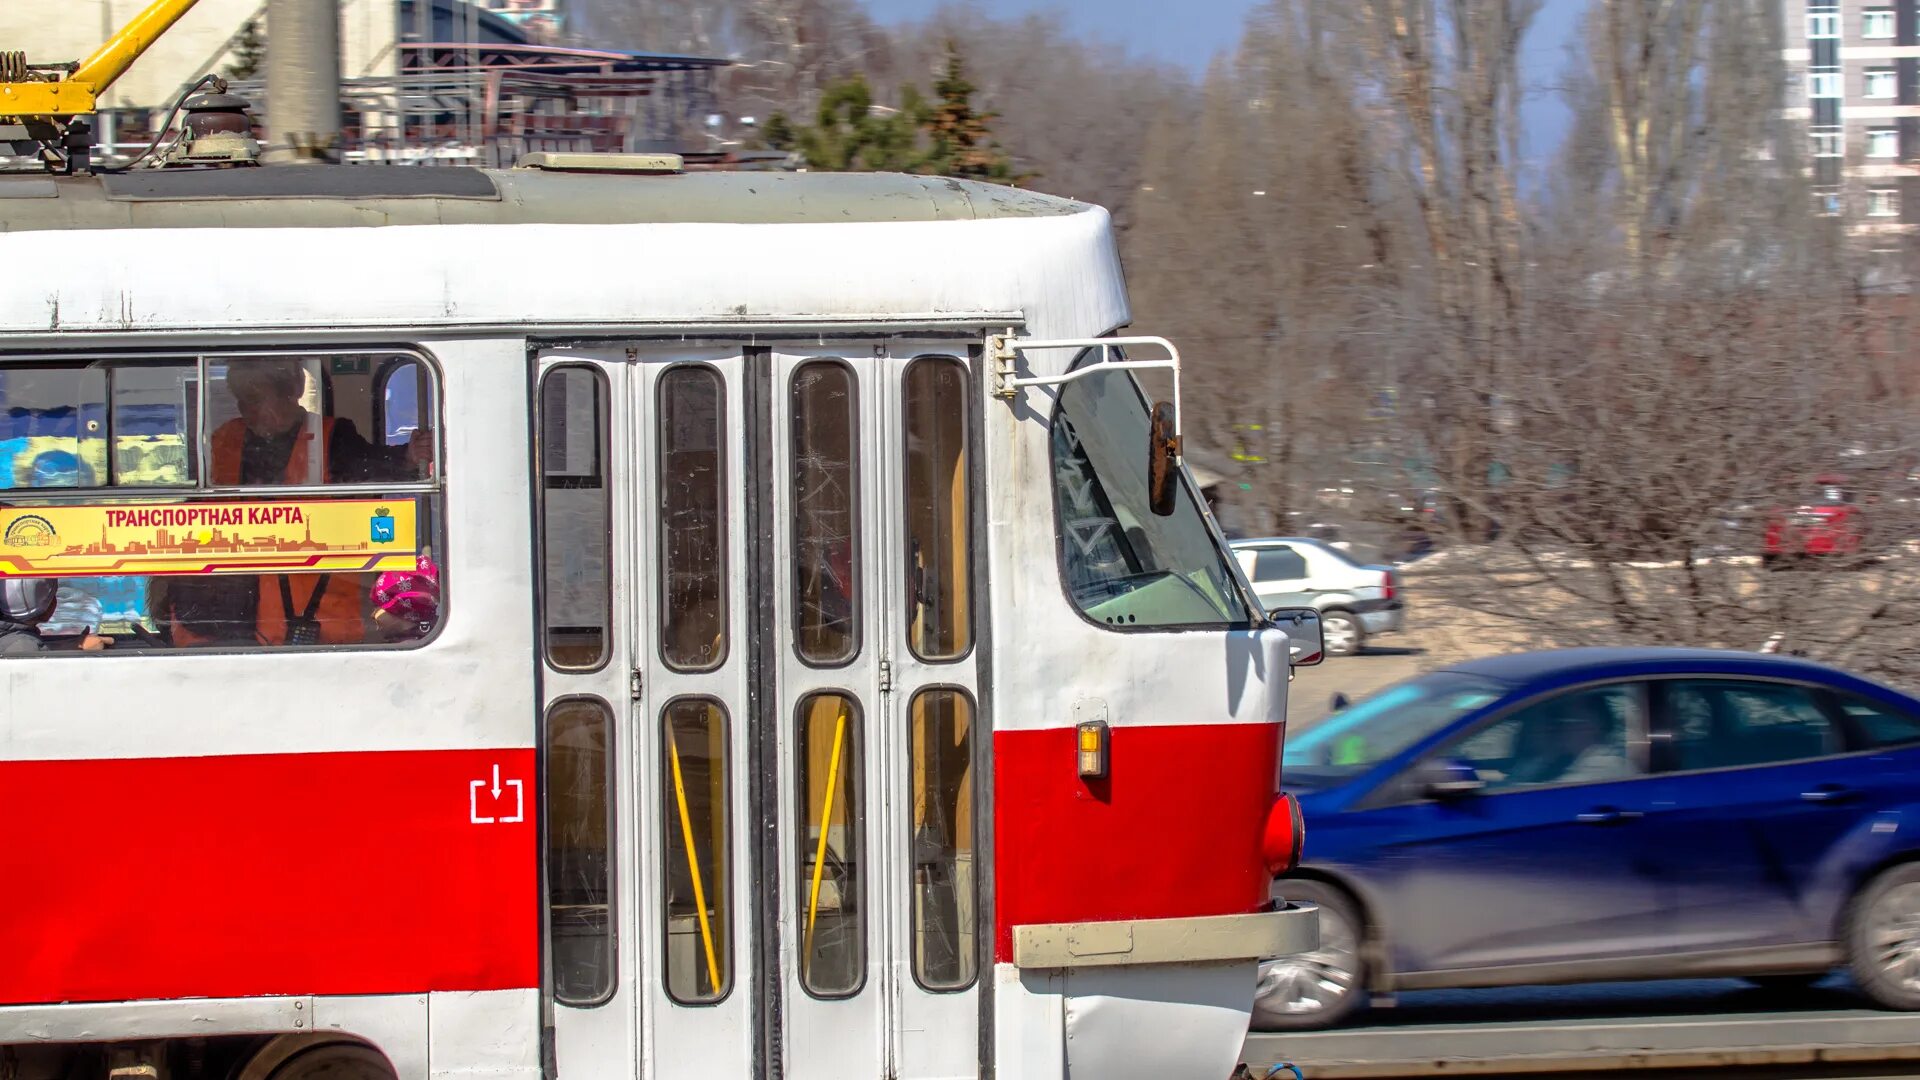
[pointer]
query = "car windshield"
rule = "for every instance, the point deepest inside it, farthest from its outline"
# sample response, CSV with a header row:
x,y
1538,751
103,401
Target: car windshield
x,y
1376,728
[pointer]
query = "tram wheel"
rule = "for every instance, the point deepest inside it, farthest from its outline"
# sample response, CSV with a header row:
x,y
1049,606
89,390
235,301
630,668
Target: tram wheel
x,y
1883,938
317,1057
1320,988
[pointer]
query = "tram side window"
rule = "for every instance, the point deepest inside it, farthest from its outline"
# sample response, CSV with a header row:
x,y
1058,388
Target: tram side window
x,y
945,911
826,513
693,523
578,790
1125,566
833,941
576,517
939,526
156,492
698,851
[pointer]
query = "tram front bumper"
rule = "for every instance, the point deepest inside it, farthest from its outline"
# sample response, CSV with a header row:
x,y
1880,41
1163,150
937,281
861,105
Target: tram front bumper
x,y
1146,999
1292,929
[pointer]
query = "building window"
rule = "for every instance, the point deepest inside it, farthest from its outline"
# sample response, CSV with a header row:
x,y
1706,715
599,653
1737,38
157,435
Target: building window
x,y
1883,202
1882,83
1883,143
1828,203
1823,84
1828,144
1823,24
1876,23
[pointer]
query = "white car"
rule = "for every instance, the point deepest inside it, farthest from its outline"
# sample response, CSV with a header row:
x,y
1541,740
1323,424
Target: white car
x,y
1356,602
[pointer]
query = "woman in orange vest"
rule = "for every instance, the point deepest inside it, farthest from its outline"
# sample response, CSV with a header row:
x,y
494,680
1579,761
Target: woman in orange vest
x,y
276,442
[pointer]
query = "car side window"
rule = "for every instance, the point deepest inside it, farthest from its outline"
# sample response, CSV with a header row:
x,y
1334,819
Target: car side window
x,y
1580,737
1726,723
1278,564
1879,726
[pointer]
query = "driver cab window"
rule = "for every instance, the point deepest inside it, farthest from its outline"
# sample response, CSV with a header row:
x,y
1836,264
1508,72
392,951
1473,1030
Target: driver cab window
x,y
1125,566
1580,737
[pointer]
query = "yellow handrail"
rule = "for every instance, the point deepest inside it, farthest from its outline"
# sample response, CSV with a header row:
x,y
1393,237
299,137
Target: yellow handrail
x,y
820,852
78,94
693,863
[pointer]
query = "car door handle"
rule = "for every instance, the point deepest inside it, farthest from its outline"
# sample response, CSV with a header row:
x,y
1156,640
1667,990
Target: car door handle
x,y
1608,815
1827,793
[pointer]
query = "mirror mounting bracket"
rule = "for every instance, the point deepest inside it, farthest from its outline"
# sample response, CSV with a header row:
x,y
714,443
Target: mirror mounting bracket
x,y
1005,349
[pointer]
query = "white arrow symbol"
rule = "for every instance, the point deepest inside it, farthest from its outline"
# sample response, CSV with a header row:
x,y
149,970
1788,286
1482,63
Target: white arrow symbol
x,y
496,781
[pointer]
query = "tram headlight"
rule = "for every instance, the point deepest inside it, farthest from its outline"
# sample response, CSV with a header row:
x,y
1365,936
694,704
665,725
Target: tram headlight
x,y
1091,740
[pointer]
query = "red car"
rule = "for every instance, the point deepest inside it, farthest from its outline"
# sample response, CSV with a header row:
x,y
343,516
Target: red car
x,y
1827,524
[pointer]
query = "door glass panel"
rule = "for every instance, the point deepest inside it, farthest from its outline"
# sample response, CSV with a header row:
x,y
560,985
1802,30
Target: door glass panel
x,y
1574,738
699,844
1723,724
1879,725
833,947
942,843
576,517
693,531
1279,564
825,509
579,828
938,523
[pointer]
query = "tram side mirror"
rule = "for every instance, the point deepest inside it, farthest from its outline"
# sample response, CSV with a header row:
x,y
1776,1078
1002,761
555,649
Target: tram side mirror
x,y
1302,624
1163,461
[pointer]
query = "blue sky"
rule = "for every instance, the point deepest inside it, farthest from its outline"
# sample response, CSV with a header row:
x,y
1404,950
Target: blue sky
x,y
1190,32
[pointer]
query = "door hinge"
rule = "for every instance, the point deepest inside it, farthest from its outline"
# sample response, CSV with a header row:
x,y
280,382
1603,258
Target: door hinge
x,y
886,676
635,684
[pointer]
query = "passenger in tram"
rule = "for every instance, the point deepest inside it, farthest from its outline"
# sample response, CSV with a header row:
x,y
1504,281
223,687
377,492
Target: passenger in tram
x,y
26,603
272,442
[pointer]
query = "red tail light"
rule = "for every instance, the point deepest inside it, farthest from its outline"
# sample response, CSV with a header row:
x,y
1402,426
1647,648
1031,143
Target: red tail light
x,y
1391,586
1285,836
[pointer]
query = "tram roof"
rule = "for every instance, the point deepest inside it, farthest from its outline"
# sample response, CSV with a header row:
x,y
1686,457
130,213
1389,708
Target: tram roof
x,y
340,196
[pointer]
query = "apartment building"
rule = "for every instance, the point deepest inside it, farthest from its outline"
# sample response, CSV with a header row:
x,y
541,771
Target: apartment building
x,y
1857,64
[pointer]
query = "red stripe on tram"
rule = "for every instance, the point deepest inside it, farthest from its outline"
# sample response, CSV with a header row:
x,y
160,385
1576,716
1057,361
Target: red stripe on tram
x,y
1174,831
333,873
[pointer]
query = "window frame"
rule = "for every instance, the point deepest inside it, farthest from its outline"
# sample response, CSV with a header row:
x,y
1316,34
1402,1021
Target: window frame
x,y
969,527
1823,25
204,490
722,443
856,481
1829,79
1888,197
1401,787
1881,136
1876,17
604,450
806,846
1889,77
669,821
612,780
1660,731
975,766
1829,143
1238,581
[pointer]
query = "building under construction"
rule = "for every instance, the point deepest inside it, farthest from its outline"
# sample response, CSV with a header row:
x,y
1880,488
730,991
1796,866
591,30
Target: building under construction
x,y
423,81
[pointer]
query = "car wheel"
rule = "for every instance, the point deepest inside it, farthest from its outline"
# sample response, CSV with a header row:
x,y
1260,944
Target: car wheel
x,y
1342,633
1883,938
1319,988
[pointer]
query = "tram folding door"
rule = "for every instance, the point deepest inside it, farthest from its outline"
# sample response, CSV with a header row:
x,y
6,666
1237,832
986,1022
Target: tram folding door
x,y
788,826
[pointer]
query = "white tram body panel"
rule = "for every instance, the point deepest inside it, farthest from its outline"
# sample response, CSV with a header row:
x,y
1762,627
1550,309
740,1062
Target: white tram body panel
x,y
321,842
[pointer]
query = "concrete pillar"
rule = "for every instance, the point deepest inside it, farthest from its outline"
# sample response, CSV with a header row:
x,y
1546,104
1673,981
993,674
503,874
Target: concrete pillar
x,y
303,81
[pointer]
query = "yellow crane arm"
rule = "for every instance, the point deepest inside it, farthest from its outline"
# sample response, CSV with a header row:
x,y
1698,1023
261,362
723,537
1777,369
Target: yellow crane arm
x,y
78,93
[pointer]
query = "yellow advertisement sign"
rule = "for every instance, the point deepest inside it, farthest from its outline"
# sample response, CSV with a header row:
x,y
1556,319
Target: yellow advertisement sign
x,y
209,538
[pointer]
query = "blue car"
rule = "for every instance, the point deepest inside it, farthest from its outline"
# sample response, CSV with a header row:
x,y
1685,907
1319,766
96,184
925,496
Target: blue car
x,y
1605,814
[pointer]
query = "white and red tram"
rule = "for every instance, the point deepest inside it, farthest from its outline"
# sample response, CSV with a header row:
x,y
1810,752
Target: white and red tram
x,y
596,625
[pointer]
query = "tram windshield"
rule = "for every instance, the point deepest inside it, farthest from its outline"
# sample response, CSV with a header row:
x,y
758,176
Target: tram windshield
x,y
1125,566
